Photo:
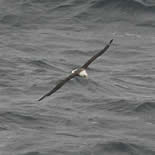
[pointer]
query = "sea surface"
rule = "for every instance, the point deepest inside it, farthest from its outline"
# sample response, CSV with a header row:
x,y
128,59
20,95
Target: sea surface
x,y
110,113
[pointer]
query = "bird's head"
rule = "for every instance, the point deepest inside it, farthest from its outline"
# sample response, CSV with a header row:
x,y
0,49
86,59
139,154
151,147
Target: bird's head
x,y
73,71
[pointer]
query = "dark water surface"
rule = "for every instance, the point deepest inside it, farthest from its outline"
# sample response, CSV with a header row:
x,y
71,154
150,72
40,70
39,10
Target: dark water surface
x,y
111,113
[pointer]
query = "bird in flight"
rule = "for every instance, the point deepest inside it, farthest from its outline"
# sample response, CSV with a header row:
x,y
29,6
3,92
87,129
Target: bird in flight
x,y
81,71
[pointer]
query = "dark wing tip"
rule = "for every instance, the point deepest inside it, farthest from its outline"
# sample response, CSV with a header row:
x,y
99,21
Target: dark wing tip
x,y
59,85
111,41
42,98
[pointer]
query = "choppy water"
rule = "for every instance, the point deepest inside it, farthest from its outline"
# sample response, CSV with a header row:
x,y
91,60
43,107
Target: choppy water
x,y
111,113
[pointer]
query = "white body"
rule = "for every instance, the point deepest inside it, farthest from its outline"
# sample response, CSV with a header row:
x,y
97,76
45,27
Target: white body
x,y
83,73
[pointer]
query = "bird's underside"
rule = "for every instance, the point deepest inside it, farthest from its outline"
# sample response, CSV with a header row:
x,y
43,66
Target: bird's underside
x,y
77,72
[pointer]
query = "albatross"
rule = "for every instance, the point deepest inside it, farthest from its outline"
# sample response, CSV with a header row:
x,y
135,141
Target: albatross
x,y
81,71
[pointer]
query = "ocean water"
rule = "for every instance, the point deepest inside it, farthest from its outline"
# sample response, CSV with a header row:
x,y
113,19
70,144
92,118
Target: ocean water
x,y
111,113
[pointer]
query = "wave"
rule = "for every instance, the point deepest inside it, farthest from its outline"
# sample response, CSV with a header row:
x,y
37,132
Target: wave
x,y
98,3
123,106
8,115
146,107
124,3
74,11
121,148
110,11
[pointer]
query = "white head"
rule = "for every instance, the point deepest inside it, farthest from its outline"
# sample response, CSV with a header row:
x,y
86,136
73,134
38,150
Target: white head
x,y
73,71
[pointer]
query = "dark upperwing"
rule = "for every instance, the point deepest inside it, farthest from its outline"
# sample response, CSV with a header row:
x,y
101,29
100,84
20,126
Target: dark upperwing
x,y
97,55
59,85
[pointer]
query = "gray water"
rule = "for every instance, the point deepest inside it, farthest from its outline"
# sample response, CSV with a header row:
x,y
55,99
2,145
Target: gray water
x,y
111,113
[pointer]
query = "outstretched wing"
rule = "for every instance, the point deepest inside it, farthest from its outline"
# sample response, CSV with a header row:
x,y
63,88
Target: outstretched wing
x,y
97,55
59,85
